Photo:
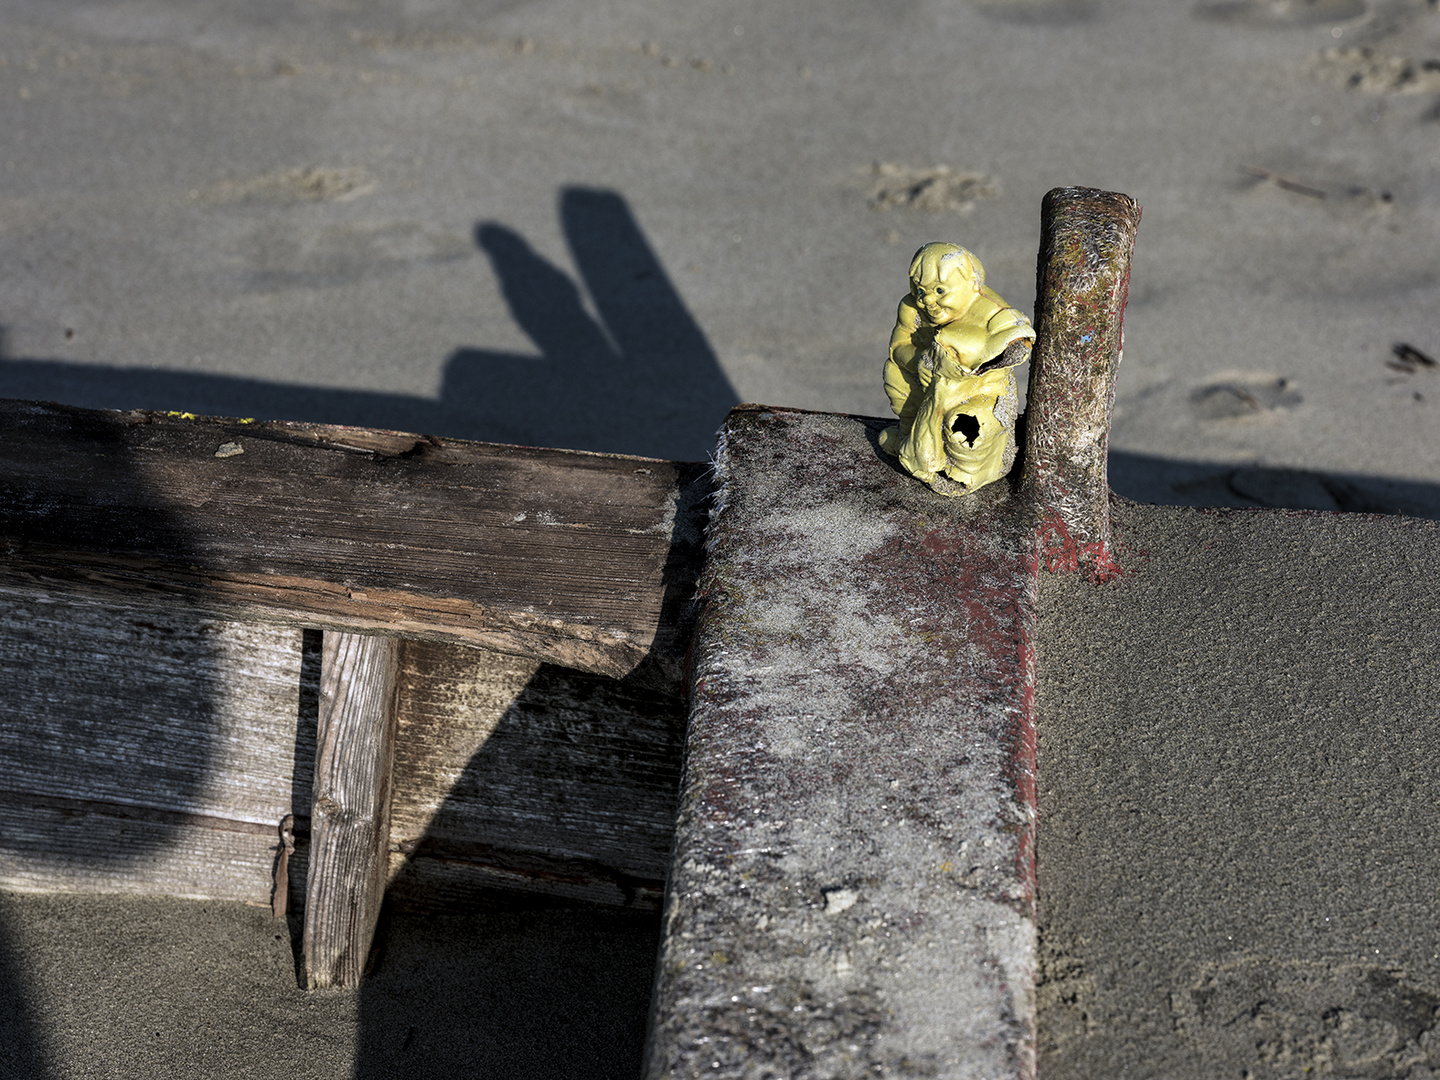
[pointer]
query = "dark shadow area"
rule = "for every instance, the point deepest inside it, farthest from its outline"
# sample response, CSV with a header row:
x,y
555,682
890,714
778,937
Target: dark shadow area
x,y
523,994
307,728
642,379
19,1042
1170,482
95,386
546,860
91,691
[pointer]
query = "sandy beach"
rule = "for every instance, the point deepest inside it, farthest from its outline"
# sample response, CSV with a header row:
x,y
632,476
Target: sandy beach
x,y
601,225
415,216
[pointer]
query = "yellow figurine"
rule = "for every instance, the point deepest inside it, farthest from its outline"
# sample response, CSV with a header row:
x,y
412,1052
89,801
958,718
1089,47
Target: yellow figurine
x,y
950,374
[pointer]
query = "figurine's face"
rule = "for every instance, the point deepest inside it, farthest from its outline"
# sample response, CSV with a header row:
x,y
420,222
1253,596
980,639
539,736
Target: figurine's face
x,y
943,289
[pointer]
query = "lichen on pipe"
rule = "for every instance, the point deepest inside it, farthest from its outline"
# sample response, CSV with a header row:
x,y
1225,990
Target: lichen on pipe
x,y
1082,281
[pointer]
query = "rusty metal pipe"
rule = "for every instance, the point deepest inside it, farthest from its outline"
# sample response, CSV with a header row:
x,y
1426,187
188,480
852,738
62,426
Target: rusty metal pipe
x,y
1082,280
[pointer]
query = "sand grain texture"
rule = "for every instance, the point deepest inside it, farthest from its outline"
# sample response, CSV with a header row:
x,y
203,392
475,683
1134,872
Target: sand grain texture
x,y
1238,800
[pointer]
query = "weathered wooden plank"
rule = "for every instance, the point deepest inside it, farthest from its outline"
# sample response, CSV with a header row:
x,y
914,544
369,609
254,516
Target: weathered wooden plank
x,y
156,753
63,845
144,752
586,560
523,776
350,824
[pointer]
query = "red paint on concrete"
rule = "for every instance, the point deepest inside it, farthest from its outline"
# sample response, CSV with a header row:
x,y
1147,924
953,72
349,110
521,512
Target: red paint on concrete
x,y
1060,552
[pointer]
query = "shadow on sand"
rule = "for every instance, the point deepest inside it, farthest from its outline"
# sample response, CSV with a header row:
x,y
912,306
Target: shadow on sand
x,y
642,379
571,783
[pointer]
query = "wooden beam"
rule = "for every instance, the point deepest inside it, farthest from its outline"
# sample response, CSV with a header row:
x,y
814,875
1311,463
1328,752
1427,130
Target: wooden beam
x,y
350,806
526,777
148,753
584,560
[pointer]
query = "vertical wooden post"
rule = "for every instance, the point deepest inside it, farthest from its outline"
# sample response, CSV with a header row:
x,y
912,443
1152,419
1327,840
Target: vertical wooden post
x,y
1083,278
350,814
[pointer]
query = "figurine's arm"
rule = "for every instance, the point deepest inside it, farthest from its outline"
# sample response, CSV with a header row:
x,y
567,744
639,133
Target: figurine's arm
x,y
966,339
902,383
902,338
986,331
1004,329
1009,323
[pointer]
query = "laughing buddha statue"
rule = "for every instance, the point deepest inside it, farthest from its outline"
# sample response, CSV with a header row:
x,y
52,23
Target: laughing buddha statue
x,y
950,374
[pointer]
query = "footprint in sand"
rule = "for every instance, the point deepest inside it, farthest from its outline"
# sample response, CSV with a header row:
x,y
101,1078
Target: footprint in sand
x,y
1282,13
1037,11
1310,1016
313,183
1374,71
1244,396
901,187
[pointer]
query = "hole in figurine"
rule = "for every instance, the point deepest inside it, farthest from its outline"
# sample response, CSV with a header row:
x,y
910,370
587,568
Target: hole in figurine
x,y
967,427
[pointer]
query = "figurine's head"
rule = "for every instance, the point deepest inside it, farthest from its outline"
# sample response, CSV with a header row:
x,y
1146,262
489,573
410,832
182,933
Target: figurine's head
x,y
945,279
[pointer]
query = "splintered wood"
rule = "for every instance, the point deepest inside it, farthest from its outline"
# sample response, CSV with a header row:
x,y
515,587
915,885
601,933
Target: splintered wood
x,y
578,559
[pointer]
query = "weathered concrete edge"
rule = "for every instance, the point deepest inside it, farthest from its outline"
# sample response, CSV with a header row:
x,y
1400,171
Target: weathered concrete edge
x,y
722,1008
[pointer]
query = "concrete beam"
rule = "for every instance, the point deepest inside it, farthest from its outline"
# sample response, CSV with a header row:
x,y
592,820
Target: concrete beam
x,y
852,886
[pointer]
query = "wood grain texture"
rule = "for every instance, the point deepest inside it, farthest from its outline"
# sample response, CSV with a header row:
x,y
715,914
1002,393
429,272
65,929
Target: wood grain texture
x,y
586,560
523,776
147,752
154,752
350,824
